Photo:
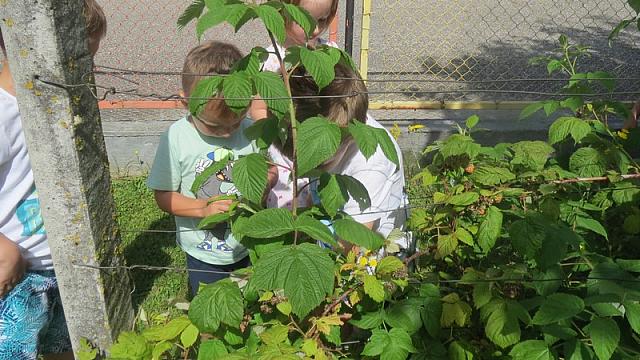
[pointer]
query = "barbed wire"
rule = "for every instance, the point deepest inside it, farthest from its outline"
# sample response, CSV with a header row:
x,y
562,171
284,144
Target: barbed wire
x,y
411,92
432,281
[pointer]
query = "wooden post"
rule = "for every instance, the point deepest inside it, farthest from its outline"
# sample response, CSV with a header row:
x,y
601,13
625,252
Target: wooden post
x,y
46,45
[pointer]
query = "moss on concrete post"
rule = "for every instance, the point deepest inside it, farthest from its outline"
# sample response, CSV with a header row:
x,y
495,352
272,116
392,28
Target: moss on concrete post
x,y
46,42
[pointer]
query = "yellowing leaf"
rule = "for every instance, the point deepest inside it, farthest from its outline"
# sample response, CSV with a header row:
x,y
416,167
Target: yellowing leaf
x,y
324,323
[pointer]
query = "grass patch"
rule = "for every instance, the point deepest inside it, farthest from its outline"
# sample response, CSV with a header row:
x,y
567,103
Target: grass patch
x,y
155,291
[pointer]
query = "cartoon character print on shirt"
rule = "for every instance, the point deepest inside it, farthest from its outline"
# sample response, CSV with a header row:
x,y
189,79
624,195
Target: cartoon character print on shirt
x,y
28,213
218,184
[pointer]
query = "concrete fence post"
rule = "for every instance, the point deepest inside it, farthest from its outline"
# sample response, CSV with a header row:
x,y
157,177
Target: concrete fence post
x,y
47,45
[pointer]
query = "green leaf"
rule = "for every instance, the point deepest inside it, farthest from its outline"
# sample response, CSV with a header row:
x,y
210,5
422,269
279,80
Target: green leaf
x,y
369,321
532,155
236,14
565,126
632,312
271,88
319,65
315,229
356,190
250,176
216,303
301,17
530,110
263,132
131,346
625,193
432,310
389,265
454,311
472,121
605,336
277,334
387,145
574,103
250,64
588,162
458,144
205,90
550,107
492,175
591,224
273,21
629,265
463,235
189,336
577,350
531,350
489,230
160,348
211,19
238,90
447,244
554,65
544,285
366,141
318,141
335,190
168,331
393,345
192,12
558,307
464,199
502,327
374,288
269,223
604,78
527,235
358,234
460,351
284,307
621,26
212,220
212,350
304,272
404,315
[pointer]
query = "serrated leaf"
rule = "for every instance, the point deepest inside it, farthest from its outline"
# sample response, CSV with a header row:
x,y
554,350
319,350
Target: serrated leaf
x,y
404,315
159,349
319,65
249,174
527,236
167,331
387,145
393,345
235,14
192,12
632,313
531,350
489,229
605,336
389,265
315,229
205,90
454,311
335,190
502,327
189,336
263,132
367,143
530,110
357,191
565,126
369,320
318,141
558,307
472,121
304,272
492,175
358,234
591,224
211,19
464,236
212,220
549,281
131,346
532,155
482,294
574,103
301,17
277,334
273,21
217,303
238,90
588,162
284,307
269,223
464,199
374,288
551,106
447,244
272,90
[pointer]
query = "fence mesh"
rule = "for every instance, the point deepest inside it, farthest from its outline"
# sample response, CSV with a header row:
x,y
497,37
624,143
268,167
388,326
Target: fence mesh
x,y
457,43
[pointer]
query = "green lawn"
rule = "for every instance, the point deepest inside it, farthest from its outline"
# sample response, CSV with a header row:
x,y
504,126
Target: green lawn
x,y
155,291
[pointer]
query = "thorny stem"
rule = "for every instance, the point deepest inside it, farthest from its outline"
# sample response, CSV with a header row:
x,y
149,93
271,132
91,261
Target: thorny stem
x,y
294,131
342,297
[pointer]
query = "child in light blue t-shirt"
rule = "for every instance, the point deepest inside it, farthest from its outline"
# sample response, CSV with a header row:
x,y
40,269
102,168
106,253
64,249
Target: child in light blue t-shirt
x,y
186,149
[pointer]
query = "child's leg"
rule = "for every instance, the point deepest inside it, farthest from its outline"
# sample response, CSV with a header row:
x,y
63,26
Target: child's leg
x,y
29,324
197,277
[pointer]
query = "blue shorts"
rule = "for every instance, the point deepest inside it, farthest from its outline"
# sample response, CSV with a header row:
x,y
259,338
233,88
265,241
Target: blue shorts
x,y
31,319
198,277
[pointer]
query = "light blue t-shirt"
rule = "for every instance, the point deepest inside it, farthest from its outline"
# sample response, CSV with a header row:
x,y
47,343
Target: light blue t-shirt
x,y
182,154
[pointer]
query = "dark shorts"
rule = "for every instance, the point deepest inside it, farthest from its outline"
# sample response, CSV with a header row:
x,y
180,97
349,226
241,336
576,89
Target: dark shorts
x,y
197,277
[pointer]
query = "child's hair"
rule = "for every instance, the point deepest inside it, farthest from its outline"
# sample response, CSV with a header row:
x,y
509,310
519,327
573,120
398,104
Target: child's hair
x,y
96,20
332,13
208,58
343,100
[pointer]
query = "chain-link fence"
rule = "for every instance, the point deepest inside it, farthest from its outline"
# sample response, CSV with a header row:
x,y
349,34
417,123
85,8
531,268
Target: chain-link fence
x,y
479,50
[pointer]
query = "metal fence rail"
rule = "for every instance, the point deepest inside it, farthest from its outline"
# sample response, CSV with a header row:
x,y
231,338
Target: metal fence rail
x,y
460,42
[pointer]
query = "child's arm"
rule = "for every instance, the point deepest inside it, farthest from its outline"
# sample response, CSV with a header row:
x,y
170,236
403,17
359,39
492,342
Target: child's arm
x,y
12,265
177,204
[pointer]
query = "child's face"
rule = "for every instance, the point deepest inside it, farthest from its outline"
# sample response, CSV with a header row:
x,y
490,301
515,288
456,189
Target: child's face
x,y
320,10
221,124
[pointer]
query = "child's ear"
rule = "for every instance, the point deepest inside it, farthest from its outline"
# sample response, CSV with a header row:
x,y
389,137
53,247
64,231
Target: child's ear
x,y
184,101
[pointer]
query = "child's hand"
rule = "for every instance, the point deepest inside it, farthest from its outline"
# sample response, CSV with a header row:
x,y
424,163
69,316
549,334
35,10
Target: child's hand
x,y
216,206
12,265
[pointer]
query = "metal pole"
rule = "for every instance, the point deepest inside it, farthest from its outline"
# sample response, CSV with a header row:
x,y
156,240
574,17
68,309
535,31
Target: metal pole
x,y
348,27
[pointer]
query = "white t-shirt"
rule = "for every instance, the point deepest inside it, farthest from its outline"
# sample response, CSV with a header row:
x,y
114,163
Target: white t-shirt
x,y
383,180
20,217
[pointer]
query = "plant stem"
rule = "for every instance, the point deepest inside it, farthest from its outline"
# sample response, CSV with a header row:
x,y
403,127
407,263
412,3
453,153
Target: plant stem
x,y
342,297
